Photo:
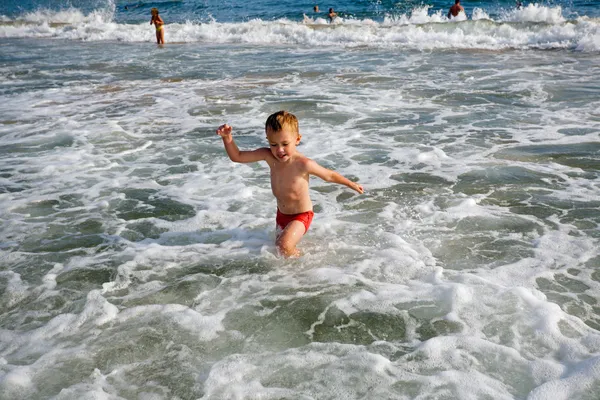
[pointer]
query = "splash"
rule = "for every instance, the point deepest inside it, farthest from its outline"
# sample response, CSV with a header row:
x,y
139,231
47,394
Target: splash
x,y
535,13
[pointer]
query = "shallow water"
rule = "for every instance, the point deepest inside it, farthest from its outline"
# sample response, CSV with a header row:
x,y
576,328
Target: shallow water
x,y
138,261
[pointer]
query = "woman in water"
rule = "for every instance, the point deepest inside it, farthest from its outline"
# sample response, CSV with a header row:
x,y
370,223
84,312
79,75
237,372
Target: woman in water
x,y
159,23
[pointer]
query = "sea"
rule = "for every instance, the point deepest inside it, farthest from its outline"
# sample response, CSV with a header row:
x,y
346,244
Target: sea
x,y
138,262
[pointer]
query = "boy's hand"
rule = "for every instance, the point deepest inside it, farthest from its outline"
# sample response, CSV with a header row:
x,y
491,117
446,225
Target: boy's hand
x,y
359,188
224,131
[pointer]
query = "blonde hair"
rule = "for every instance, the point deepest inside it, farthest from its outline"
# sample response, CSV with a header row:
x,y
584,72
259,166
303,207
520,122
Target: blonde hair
x,y
278,120
154,10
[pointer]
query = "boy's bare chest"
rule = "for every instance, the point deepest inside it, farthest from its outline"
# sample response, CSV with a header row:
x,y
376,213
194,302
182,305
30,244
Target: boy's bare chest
x,y
289,178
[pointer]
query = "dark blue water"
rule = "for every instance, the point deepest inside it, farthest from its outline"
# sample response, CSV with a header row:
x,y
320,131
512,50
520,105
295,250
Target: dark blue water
x,y
239,10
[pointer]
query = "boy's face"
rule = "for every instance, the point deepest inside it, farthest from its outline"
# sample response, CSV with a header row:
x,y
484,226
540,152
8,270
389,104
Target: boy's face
x,y
283,143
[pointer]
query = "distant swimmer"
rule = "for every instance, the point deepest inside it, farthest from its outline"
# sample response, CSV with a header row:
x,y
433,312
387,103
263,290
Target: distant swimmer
x,y
159,24
290,172
332,15
455,9
131,6
308,20
519,5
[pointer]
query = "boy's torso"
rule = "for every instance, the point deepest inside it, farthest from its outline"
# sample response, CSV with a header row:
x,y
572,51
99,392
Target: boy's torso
x,y
289,184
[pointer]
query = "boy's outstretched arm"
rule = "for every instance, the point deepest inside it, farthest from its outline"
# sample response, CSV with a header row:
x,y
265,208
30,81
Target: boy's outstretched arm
x,y
331,176
235,154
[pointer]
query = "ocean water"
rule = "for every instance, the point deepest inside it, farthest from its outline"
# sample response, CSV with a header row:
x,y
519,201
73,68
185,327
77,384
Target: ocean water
x,y
138,262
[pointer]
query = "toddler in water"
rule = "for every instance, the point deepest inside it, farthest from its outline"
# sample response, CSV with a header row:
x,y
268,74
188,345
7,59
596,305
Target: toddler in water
x,y
290,171
159,23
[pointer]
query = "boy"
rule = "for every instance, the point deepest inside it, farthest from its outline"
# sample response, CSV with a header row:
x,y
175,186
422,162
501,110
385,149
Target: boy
x,y
290,171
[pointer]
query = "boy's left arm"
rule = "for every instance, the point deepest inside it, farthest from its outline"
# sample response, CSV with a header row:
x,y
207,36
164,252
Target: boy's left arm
x,y
331,176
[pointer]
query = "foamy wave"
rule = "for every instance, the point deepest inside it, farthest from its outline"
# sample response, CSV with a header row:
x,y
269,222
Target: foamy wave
x,y
535,13
70,16
419,15
420,30
479,14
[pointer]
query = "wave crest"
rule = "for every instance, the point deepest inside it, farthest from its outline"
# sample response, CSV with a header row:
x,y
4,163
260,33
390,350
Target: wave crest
x,y
534,27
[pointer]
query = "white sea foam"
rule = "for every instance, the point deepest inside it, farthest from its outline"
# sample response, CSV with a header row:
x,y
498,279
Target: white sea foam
x,y
410,288
534,12
535,26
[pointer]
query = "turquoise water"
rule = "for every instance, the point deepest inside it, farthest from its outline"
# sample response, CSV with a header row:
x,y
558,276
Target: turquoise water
x,y
137,261
180,11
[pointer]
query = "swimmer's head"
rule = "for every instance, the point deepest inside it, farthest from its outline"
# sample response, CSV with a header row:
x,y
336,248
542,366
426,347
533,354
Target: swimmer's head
x,y
281,120
154,11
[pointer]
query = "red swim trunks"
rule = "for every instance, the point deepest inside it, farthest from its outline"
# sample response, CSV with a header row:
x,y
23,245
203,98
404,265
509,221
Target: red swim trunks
x,y
283,220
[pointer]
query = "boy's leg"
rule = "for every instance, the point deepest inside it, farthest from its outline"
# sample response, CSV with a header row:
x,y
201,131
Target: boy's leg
x,y
288,239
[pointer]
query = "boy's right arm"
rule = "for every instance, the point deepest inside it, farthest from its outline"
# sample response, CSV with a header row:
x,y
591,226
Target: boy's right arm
x,y
234,153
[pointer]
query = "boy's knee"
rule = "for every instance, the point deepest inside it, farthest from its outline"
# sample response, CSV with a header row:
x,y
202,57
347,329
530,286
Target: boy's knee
x,y
285,247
